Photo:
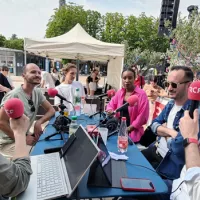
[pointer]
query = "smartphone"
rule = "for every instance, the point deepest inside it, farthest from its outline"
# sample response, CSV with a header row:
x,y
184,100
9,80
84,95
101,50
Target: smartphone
x,y
136,184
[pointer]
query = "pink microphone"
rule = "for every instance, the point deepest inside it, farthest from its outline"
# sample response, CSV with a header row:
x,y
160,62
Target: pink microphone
x,y
131,101
14,108
111,93
194,96
52,92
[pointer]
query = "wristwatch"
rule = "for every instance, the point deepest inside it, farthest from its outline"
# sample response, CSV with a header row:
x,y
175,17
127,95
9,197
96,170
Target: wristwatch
x,y
187,141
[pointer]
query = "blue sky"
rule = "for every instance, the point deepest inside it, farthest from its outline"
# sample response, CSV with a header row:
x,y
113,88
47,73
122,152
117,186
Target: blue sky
x,y
28,18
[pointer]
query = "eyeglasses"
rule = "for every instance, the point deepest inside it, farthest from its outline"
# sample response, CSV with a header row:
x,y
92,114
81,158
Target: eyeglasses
x,y
30,102
175,85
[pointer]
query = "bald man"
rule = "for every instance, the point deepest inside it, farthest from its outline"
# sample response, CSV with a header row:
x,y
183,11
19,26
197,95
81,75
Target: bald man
x,y
32,98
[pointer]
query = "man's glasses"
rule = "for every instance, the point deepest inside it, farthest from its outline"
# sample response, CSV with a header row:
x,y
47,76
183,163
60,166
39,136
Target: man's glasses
x,y
175,85
30,102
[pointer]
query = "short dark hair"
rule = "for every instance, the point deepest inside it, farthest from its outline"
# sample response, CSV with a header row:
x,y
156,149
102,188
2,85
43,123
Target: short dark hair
x,y
69,66
189,75
129,70
154,79
4,68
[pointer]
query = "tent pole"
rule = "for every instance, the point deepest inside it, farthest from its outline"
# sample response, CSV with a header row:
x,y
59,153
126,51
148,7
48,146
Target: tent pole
x,y
77,64
25,57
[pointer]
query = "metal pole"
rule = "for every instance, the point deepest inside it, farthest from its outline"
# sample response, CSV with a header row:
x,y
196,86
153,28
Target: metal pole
x,y
25,57
77,64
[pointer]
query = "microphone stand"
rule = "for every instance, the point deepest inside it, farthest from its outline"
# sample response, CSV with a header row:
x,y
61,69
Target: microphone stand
x,y
100,112
61,123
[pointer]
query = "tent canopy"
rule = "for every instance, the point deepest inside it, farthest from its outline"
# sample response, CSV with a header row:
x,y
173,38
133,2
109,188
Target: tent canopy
x,y
75,44
78,44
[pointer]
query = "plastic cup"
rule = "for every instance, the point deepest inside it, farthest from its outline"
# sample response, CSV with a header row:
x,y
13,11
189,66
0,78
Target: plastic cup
x,y
104,134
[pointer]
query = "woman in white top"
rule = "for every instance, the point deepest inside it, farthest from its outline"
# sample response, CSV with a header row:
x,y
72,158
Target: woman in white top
x,y
56,77
68,87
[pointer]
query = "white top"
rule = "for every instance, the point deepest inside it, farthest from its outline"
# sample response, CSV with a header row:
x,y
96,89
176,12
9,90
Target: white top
x,y
49,82
10,81
162,146
68,91
190,188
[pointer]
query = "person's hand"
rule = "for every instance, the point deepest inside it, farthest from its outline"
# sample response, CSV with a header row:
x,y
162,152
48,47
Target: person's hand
x,y
173,133
189,127
37,130
20,126
30,140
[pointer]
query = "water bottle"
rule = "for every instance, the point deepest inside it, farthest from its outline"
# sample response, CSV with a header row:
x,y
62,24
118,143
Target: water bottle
x,y
77,102
73,126
82,105
122,141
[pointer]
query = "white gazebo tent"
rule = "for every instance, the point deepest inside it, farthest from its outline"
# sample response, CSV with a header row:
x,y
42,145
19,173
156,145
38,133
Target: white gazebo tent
x,y
78,44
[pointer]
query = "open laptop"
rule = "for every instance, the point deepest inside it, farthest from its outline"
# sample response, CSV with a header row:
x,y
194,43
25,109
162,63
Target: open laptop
x,y
58,174
106,172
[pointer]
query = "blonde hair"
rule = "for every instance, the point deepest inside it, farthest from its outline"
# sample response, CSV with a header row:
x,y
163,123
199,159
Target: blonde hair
x,y
67,68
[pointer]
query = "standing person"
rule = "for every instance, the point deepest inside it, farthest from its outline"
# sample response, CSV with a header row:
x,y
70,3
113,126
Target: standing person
x,y
139,80
15,174
68,87
47,80
168,153
56,77
32,98
4,84
5,71
91,82
136,116
153,90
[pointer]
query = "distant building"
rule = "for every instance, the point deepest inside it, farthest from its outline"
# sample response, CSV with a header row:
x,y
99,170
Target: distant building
x,y
62,3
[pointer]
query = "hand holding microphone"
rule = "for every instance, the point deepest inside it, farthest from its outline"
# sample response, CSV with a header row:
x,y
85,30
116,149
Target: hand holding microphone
x,y
194,96
19,123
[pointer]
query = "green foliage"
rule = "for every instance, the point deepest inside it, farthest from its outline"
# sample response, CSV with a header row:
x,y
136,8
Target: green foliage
x,y
139,32
13,43
187,35
2,40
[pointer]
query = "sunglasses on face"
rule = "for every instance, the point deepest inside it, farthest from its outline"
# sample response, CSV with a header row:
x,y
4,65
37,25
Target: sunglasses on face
x,y
30,102
175,85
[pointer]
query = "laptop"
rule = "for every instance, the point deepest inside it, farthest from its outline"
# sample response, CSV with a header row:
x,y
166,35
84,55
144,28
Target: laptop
x,y
106,172
58,174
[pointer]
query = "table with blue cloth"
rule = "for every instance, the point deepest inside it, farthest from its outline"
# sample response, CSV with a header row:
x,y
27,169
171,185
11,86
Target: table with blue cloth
x,y
133,171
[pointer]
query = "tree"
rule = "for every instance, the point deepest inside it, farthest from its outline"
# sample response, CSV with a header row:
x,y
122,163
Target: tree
x,y
14,44
114,28
2,40
13,37
65,18
186,47
93,23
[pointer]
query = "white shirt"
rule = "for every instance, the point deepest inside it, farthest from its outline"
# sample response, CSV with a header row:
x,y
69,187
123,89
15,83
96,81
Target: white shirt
x,y
68,91
190,188
162,146
49,82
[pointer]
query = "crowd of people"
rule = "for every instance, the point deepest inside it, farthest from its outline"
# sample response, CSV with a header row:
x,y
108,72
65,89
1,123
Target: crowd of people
x,y
178,165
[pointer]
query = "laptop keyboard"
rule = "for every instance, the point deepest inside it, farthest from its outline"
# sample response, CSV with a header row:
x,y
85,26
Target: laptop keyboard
x,y
49,177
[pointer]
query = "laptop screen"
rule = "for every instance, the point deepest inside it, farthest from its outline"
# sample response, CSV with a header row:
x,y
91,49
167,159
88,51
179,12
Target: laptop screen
x,y
80,156
105,160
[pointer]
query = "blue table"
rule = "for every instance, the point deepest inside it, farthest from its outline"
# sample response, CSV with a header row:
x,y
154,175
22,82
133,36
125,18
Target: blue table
x,y
135,157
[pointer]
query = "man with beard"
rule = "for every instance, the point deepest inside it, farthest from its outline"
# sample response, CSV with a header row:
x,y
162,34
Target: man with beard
x,y
32,98
166,155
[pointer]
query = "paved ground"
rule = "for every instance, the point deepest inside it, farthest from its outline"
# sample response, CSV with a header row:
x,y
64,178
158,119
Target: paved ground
x,y
18,80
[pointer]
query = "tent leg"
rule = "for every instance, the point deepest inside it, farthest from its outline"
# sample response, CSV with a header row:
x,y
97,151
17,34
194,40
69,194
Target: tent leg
x,y
25,58
77,64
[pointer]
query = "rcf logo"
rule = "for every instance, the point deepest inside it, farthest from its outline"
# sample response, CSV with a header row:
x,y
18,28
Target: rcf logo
x,y
194,90
9,112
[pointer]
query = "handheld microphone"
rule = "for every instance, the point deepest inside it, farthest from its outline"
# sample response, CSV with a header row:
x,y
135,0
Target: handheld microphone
x,y
131,101
109,93
53,92
194,96
14,108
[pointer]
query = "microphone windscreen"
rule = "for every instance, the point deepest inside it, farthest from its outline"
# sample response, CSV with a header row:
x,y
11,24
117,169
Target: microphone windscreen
x,y
194,91
111,93
52,92
14,108
132,100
